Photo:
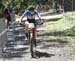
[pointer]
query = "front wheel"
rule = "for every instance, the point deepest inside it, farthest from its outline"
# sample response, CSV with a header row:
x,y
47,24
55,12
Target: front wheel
x,y
31,43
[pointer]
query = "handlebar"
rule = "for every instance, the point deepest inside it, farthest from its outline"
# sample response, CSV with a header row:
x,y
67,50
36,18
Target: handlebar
x,y
37,22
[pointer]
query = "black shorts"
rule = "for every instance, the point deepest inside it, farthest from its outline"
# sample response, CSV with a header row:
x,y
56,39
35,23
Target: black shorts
x,y
8,18
32,21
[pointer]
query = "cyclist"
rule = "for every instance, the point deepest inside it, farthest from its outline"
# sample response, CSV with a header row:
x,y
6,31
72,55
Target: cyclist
x,y
30,14
7,14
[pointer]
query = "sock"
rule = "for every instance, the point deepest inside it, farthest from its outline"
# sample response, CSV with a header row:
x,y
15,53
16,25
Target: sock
x,y
26,35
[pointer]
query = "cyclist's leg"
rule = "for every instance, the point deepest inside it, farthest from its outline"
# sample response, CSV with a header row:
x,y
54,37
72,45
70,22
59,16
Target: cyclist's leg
x,y
8,21
34,35
26,29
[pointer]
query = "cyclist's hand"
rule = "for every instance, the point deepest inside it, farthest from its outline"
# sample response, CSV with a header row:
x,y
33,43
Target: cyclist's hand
x,y
20,22
41,22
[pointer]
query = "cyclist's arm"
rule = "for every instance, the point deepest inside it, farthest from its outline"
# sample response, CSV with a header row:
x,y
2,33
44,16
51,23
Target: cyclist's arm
x,y
24,15
39,18
38,15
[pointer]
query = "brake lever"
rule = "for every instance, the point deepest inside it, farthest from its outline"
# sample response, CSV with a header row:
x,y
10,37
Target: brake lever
x,y
40,23
22,24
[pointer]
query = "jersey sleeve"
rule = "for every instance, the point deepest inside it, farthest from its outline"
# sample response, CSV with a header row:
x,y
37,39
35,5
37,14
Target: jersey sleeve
x,y
25,13
37,13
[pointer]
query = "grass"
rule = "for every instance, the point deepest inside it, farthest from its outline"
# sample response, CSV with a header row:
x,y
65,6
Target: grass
x,y
64,26
59,25
61,31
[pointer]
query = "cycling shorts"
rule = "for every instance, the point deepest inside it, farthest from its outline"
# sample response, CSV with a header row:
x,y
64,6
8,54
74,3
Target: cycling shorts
x,y
32,21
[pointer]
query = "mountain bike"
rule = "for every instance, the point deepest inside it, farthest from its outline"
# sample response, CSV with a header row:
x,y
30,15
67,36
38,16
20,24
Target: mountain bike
x,y
30,37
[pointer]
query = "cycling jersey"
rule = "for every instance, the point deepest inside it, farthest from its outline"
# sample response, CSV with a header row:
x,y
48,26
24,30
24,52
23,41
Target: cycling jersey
x,y
29,15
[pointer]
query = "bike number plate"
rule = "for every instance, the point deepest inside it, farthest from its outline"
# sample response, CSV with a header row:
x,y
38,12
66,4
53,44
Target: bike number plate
x,y
31,25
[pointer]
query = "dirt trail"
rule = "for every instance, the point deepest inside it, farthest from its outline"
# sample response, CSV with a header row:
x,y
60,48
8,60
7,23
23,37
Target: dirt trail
x,y
50,45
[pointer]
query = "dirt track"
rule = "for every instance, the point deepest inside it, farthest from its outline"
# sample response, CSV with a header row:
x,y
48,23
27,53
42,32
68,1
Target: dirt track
x,y
50,46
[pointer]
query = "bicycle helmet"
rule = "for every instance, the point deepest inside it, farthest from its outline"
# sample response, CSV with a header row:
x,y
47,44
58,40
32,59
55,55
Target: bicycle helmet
x,y
31,8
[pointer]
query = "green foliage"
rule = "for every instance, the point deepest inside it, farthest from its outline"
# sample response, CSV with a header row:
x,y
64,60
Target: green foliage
x,y
70,32
16,4
33,2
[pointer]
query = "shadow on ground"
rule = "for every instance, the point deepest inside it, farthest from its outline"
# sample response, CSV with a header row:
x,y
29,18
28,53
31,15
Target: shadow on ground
x,y
42,54
67,32
53,43
56,19
57,40
61,33
13,55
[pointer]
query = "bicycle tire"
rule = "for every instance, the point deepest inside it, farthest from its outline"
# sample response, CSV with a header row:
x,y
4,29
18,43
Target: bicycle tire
x,y
31,44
